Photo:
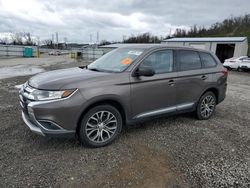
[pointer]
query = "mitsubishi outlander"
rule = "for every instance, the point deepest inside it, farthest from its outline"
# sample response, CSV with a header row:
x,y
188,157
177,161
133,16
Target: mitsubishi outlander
x,y
126,85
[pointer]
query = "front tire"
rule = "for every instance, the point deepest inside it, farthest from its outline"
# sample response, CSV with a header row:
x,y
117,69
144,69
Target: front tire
x,y
100,126
206,106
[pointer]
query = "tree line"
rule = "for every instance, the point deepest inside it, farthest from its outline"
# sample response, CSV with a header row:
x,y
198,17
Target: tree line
x,y
19,38
230,27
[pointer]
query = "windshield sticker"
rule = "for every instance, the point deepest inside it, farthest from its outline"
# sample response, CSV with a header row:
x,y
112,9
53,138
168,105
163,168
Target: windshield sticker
x,y
135,52
126,61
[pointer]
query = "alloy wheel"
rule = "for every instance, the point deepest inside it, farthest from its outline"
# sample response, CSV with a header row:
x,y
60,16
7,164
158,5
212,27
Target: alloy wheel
x,y
101,126
207,106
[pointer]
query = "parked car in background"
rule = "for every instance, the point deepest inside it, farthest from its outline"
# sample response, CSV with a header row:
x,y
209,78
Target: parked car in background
x,y
54,52
245,64
124,86
235,63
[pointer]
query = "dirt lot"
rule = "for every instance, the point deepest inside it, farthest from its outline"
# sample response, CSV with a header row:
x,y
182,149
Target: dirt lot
x,y
178,151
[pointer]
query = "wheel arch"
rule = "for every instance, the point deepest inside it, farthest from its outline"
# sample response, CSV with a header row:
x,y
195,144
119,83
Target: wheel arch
x,y
214,90
113,102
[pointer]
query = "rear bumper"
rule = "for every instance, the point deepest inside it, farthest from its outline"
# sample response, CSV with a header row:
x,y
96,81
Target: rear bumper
x,y
231,66
222,93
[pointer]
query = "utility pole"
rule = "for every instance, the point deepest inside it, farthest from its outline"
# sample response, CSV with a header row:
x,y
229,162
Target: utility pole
x,y
124,37
57,40
52,41
97,37
65,42
90,38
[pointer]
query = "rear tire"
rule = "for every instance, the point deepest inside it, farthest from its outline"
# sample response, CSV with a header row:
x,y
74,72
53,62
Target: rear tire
x,y
206,106
100,126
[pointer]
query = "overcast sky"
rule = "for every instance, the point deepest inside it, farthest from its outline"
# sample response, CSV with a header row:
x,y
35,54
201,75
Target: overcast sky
x,y
77,19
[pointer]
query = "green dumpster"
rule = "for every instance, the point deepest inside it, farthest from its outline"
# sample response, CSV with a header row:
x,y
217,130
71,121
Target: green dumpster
x,y
27,52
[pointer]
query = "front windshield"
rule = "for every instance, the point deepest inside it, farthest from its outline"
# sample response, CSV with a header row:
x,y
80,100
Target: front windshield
x,y
116,60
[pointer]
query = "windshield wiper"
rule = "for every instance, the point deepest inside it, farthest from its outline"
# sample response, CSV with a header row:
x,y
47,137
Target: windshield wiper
x,y
94,69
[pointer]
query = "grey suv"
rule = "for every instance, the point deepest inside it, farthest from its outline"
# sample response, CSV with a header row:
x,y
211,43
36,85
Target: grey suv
x,y
124,86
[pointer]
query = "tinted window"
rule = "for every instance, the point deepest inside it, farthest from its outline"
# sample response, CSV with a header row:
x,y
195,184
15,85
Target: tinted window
x,y
188,60
242,58
246,59
207,60
161,61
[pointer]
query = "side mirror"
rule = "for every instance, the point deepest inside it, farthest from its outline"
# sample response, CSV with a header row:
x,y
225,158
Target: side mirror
x,y
145,71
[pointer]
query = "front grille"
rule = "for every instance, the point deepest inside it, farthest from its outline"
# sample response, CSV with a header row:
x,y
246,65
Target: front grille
x,y
24,101
23,104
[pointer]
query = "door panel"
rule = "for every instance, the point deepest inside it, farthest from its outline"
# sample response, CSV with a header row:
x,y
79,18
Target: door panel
x,y
152,93
189,86
191,79
156,94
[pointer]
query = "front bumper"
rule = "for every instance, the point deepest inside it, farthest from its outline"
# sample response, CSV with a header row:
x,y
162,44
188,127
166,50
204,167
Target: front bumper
x,y
51,118
32,127
37,128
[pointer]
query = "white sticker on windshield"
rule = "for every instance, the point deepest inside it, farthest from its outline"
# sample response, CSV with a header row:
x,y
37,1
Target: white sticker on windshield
x,y
135,52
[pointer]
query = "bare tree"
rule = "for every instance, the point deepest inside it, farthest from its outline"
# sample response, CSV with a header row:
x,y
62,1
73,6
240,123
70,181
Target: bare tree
x,y
27,39
22,38
17,39
48,43
4,40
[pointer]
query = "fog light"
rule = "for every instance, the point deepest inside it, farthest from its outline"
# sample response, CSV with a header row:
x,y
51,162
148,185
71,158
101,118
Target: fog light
x,y
49,125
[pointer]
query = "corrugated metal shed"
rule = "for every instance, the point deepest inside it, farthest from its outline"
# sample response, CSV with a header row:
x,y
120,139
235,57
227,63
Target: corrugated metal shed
x,y
223,47
207,39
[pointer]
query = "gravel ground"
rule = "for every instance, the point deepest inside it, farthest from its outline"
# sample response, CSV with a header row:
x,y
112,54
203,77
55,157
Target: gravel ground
x,y
178,151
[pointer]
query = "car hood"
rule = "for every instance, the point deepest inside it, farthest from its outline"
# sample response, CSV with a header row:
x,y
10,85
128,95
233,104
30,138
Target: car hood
x,y
59,79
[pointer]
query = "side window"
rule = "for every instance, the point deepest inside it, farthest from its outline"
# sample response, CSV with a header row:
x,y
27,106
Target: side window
x,y
188,60
207,60
242,58
161,61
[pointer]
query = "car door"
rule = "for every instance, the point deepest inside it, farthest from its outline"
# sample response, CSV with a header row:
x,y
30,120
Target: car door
x,y
156,94
190,80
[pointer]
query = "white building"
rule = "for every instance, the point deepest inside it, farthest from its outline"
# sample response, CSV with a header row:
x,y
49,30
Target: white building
x,y
223,47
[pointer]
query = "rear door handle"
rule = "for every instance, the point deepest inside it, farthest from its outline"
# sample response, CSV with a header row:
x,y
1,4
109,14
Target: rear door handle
x,y
171,82
204,77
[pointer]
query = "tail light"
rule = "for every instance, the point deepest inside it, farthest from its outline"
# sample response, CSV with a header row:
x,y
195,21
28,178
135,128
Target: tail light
x,y
225,72
232,61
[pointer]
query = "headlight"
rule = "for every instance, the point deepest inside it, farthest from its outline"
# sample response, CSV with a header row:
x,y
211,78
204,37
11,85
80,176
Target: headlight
x,y
42,95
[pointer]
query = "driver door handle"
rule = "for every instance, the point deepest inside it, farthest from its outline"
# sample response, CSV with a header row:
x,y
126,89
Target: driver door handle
x,y
204,77
171,82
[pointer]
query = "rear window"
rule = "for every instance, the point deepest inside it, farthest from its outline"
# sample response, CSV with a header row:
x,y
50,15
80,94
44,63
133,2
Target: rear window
x,y
188,60
208,60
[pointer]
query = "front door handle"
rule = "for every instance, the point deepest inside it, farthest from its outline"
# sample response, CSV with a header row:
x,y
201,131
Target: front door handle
x,y
204,77
171,82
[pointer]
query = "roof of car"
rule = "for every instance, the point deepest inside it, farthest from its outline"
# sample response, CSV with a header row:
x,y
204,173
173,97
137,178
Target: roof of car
x,y
150,46
157,46
122,45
